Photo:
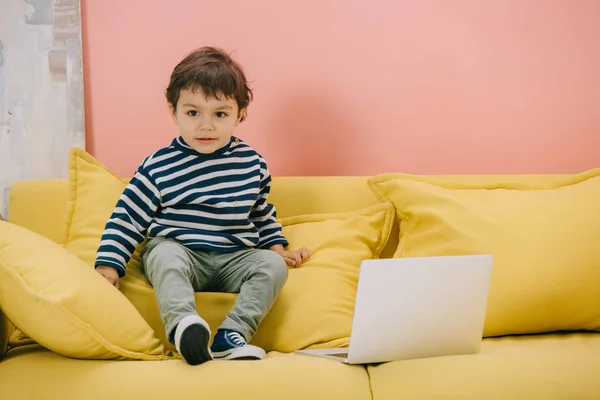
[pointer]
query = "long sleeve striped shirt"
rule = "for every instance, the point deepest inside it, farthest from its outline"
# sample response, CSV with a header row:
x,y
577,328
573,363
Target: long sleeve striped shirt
x,y
212,202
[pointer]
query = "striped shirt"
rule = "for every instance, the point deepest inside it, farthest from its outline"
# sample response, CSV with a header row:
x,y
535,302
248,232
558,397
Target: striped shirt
x,y
214,202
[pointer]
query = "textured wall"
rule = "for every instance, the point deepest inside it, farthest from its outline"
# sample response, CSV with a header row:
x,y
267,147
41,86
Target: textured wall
x,y
41,89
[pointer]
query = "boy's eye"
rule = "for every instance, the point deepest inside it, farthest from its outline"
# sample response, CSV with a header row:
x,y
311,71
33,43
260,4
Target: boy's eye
x,y
192,113
220,114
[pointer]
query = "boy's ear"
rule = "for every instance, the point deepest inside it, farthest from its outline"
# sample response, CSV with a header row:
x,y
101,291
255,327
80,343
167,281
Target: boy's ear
x,y
241,116
173,113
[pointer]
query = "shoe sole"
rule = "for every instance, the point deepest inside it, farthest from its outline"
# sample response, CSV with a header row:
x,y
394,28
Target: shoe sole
x,y
241,353
194,344
226,357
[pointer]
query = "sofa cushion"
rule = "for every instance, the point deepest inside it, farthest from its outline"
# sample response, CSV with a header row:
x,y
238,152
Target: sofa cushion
x,y
315,307
549,367
93,193
62,304
543,235
280,376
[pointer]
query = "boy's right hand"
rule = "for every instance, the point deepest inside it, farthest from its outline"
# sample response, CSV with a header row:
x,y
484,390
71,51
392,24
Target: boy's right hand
x,y
110,274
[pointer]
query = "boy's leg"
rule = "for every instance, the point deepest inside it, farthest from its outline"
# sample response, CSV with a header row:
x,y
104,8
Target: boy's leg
x,y
172,270
258,276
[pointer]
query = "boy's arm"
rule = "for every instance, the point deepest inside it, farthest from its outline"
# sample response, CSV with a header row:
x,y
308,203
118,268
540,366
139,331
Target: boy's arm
x,y
264,215
127,226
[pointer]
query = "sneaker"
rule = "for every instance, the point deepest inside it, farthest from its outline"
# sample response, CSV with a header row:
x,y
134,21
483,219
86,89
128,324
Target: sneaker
x,y
231,345
192,336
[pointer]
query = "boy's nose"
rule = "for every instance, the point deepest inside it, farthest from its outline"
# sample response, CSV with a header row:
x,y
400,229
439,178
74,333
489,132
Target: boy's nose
x,y
205,124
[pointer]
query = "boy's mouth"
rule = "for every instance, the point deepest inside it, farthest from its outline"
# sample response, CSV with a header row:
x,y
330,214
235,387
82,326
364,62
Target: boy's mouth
x,y
205,139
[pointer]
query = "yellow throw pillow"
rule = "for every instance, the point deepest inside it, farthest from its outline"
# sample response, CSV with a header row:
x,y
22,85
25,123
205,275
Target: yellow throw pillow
x,y
544,236
93,193
62,304
316,306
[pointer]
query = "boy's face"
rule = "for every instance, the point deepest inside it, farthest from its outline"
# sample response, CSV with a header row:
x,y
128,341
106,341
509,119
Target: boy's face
x,y
206,125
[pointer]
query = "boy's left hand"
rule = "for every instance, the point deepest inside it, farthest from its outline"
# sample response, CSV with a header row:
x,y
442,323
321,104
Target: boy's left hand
x,y
293,258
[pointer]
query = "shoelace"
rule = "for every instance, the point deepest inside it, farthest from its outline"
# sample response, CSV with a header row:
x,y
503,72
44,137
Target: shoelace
x,y
236,338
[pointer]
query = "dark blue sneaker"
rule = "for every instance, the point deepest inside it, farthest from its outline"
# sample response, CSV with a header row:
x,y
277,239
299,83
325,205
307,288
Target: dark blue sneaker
x,y
231,345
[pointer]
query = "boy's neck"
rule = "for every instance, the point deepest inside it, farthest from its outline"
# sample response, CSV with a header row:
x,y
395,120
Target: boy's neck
x,y
181,145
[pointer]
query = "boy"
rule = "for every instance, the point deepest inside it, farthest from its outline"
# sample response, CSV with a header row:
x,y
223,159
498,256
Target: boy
x,y
202,202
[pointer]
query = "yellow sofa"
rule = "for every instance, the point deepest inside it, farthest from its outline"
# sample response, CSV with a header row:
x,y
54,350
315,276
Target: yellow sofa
x,y
540,365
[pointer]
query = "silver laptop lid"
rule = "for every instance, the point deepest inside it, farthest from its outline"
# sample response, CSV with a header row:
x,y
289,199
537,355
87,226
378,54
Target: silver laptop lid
x,y
419,307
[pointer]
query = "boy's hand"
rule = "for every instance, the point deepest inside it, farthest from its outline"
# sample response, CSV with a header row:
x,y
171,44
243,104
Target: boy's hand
x,y
293,258
110,274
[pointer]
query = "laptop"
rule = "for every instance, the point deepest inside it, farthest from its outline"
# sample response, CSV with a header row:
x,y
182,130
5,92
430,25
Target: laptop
x,y
419,307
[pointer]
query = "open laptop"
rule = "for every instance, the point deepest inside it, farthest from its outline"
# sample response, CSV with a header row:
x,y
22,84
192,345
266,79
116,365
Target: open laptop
x,y
420,307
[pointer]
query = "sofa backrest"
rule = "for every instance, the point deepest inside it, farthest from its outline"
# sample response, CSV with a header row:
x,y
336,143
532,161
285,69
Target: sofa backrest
x,y
40,205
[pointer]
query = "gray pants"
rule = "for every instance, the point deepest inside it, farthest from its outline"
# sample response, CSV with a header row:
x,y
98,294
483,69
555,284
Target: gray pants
x,y
176,272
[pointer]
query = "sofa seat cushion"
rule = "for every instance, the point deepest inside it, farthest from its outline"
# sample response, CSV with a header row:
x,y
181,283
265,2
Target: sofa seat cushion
x,y
557,366
280,376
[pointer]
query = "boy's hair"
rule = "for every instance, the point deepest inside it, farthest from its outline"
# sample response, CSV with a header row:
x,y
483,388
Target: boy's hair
x,y
213,71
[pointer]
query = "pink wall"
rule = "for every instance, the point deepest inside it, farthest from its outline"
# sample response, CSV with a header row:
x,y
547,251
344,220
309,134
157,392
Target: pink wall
x,y
356,87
